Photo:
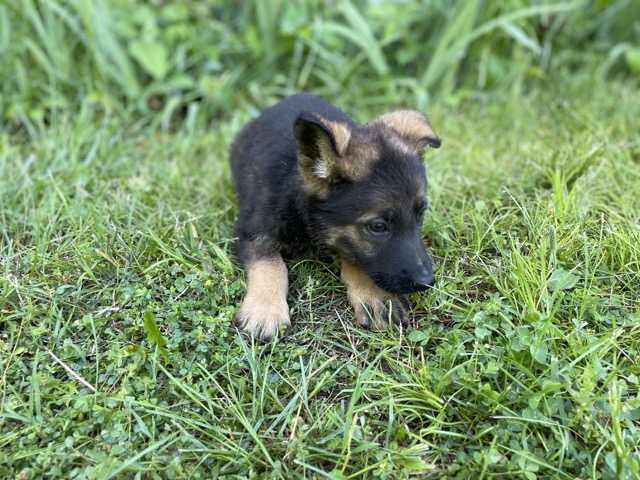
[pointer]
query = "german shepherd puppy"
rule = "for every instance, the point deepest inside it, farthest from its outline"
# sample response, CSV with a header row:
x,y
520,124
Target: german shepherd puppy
x,y
311,182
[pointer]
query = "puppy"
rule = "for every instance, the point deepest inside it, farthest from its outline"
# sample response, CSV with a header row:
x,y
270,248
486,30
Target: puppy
x,y
311,182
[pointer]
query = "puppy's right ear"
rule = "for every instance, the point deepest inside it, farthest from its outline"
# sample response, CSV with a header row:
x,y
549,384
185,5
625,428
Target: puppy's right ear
x,y
321,144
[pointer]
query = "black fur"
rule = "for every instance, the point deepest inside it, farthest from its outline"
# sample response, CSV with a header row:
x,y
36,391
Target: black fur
x,y
267,179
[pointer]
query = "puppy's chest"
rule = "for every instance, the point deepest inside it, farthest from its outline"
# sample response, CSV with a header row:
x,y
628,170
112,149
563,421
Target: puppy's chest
x,y
295,239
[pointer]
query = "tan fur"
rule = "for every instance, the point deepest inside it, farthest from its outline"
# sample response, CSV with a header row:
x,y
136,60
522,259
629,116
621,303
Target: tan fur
x,y
333,236
358,164
412,126
341,134
371,304
264,309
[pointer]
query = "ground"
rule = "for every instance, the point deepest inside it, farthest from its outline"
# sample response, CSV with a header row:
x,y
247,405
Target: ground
x,y
119,285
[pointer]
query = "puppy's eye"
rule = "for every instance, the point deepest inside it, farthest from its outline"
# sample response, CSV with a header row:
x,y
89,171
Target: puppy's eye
x,y
377,226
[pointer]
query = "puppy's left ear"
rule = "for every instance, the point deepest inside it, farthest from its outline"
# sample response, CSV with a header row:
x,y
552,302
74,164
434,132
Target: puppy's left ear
x,y
413,127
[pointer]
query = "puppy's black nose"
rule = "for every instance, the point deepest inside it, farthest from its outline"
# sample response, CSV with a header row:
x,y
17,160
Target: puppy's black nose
x,y
424,281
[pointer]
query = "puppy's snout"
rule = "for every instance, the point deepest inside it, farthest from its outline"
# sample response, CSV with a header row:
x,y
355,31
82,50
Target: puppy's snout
x,y
423,278
424,281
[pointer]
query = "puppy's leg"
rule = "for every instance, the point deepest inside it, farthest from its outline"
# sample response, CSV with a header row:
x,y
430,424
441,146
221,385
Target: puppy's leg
x,y
264,309
373,306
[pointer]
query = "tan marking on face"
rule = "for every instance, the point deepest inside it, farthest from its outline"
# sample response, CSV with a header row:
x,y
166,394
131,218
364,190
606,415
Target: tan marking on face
x,y
367,217
372,305
333,235
353,232
264,309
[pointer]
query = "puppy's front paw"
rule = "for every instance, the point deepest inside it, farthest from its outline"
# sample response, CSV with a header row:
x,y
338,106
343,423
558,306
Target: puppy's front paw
x,y
263,320
380,312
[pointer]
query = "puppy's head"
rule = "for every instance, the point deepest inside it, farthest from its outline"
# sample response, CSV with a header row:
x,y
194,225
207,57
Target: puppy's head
x,y
367,193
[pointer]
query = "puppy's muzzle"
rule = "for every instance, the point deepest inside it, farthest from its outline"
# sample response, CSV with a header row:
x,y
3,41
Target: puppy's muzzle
x,y
425,280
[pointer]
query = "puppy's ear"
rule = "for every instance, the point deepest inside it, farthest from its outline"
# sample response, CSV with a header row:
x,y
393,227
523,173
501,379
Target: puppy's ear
x,y
321,144
413,127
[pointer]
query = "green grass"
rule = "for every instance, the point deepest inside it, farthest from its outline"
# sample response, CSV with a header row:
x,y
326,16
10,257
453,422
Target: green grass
x,y
118,358
158,58
522,362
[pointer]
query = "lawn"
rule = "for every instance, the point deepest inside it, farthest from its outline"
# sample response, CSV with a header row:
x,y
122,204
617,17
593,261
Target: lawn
x,y
522,361
119,283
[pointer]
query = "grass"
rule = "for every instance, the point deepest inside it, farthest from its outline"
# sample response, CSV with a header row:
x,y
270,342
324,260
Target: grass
x,y
158,58
119,284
